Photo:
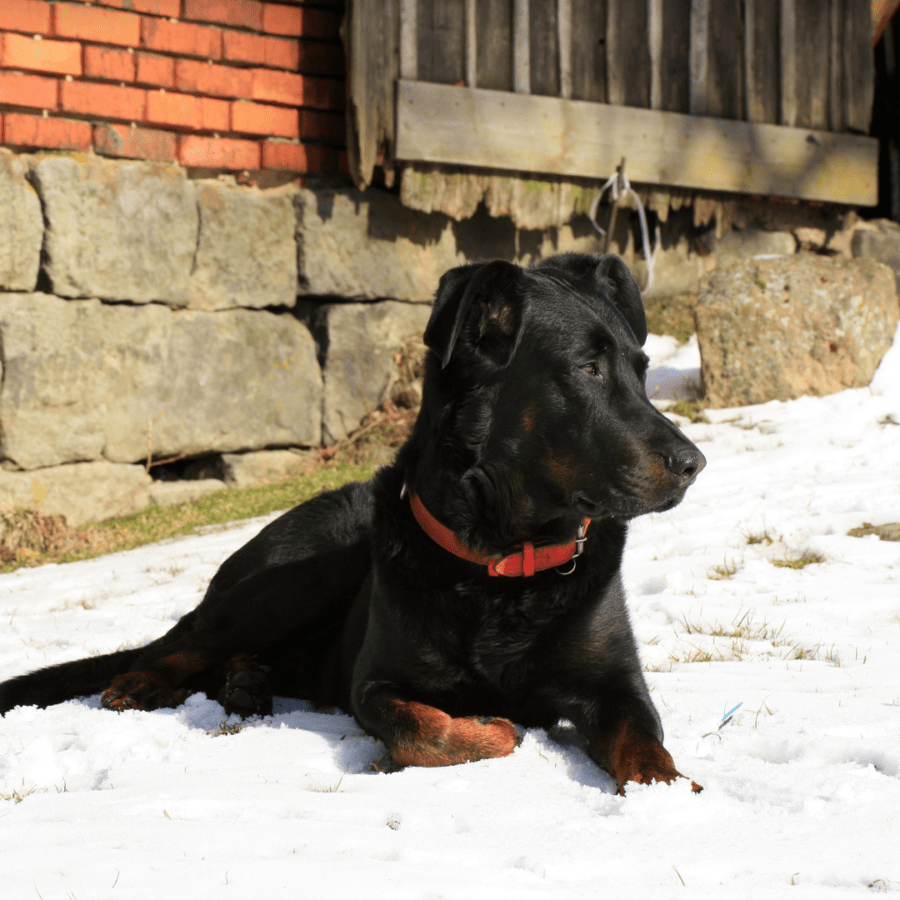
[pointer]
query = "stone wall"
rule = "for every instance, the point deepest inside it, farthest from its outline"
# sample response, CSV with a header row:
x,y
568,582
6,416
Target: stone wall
x,y
146,314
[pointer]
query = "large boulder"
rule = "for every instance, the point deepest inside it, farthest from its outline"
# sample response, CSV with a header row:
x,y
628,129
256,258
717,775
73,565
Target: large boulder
x,y
361,340
21,226
117,230
776,329
247,252
82,379
83,492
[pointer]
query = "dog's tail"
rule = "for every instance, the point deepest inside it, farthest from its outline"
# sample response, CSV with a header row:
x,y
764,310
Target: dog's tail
x,y
65,681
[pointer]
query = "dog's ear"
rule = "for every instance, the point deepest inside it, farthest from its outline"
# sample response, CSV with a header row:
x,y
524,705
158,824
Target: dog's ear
x,y
477,306
622,291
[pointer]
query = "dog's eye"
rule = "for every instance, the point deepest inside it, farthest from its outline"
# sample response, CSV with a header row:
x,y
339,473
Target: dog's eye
x,y
595,371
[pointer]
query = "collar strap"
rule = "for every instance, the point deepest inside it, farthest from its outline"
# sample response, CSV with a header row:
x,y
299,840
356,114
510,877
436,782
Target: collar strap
x,y
524,562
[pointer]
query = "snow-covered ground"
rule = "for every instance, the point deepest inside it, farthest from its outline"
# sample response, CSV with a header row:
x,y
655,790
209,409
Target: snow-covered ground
x,y
802,786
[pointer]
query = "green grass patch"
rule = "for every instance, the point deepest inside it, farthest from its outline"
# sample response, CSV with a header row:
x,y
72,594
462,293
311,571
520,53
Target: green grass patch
x,y
157,523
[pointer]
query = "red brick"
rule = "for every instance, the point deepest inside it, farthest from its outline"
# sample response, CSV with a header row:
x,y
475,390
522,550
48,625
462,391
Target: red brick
x,y
32,16
218,153
157,70
62,57
135,143
286,157
104,62
240,13
20,130
107,100
88,23
35,91
315,23
255,118
277,87
182,38
328,128
217,80
282,20
185,111
215,115
321,59
155,7
322,93
265,51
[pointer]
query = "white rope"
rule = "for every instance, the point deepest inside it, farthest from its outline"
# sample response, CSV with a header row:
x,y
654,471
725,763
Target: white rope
x,y
618,184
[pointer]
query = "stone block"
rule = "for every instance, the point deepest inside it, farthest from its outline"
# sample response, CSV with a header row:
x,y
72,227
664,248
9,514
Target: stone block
x,y
171,493
361,341
83,379
84,492
247,251
776,329
117,230
21,226
367,246
735,246
240,470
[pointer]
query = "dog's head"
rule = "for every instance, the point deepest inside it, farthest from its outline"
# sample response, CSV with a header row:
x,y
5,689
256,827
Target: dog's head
x,y
535,396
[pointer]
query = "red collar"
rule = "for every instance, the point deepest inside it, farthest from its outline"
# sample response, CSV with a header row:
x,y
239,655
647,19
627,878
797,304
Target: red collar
x,y
526,562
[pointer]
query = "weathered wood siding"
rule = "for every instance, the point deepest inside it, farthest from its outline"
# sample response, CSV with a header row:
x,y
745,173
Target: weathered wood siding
x,y
804,65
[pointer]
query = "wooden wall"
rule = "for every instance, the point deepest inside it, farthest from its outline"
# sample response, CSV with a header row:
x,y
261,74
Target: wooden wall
x,y
728,69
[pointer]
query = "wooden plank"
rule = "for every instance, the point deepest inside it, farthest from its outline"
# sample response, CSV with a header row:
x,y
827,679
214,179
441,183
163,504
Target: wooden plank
x,y
699,56
471,45
564,38
521,47
501,130
812,55
494,44
589,50
788,63
762,61
859,65
673,64
628,53
725,70
836,120
372,69
441,29
543,33
409,55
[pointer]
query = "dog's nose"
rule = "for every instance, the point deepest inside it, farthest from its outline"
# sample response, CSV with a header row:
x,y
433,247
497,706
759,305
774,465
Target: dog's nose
x,y
686,463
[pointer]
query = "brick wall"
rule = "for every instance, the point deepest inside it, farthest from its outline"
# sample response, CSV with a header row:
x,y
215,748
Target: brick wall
x,y
220,84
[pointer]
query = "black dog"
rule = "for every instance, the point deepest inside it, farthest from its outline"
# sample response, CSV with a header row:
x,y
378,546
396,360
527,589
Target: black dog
x,y
473,583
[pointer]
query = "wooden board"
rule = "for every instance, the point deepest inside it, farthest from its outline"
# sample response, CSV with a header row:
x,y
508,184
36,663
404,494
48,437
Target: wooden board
x,y
812,54
674,55
544,48
501,130
372,68
859,65
627,53
761,61
493,41
588,50
441,27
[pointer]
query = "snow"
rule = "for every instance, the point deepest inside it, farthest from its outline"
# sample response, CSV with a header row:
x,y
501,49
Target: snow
x,y
802,786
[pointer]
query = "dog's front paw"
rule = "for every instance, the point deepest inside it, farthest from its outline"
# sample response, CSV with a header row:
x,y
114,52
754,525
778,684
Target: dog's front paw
x,y
247,690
